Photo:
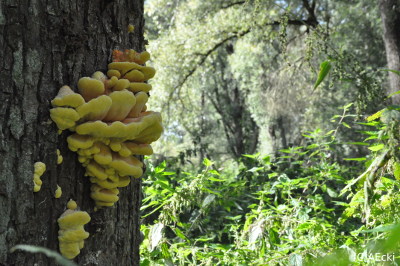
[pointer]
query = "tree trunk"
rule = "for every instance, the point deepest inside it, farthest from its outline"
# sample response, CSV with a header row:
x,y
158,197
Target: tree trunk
x,y
44,45
390,13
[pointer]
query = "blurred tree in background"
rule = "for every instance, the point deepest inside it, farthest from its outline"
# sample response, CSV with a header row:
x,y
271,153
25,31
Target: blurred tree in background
x,y
242,71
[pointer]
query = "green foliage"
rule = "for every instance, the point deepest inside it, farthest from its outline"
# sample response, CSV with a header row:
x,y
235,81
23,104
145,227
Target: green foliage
x,y
292,209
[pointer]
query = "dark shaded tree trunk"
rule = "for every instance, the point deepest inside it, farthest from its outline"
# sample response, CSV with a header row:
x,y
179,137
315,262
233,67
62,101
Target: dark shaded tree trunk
x,y
390,13
44,45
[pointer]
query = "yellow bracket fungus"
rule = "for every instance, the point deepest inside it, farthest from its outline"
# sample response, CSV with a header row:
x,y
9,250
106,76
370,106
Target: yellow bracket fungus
x,y
90,88
59,157
39,169
99,76
71,204
58,192
110,123
72,234
139,87
104,196
65,118
113,73
66,97
131,28
141,100
122,103
95,109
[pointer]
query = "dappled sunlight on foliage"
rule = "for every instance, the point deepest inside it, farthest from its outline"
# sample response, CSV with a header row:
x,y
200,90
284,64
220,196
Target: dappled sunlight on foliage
x,y
274,210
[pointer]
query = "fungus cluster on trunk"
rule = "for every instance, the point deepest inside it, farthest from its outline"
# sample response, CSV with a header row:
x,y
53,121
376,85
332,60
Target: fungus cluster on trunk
x,y
110,124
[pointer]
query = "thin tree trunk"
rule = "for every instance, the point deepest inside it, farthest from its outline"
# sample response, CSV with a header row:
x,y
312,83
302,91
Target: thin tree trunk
x,y
44,45
390,13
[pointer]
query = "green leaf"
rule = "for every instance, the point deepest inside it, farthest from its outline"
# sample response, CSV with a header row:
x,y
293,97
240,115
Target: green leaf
x,y
295,260
252,156
155,235
332,193
396,170
329,132
376,147
255,169
165,252
49,253
346,125
215,172
233,218
346,107
381,228
312,146
164,185
393,94
323,71
207,162
391,70
168,173
179,234
208,200
356,159
375,116
272,175
215,179
357,143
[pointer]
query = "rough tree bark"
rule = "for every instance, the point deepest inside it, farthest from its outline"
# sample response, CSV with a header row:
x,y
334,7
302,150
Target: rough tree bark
x,y
44,45
390,13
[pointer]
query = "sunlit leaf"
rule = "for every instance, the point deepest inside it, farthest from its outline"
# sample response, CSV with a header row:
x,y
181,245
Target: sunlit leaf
x,y
155,235
272,175
377,147
332,193
168,173
356,159
295,260
323,71
215,179
215,172
252,156
207,162
346,125
375,116
381,228
396,170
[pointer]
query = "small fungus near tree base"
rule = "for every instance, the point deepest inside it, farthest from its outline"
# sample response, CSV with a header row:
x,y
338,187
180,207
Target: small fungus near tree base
x,y
58,192
59,157
71,235
39,169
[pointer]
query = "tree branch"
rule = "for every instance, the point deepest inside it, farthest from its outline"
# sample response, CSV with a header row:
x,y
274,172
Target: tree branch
x,y
311,21
233,4
203,58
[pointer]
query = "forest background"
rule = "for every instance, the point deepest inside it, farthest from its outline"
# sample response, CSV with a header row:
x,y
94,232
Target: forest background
x,y
281,133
